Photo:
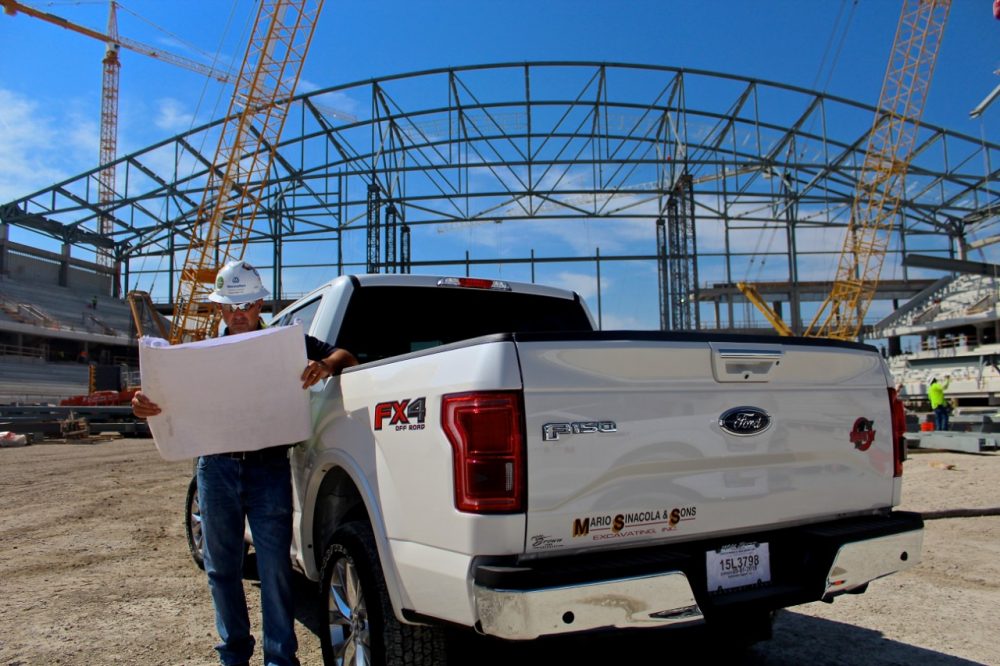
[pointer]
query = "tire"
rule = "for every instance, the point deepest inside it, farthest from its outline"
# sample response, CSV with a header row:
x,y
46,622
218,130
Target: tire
x,y
193,530
361,626
192,524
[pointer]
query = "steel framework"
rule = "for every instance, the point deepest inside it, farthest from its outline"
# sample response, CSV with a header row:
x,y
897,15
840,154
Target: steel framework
x,y
535,168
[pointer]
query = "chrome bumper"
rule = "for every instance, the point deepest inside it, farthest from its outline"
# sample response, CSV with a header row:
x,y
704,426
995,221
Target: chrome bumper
x,y
648,601
515,603
859,562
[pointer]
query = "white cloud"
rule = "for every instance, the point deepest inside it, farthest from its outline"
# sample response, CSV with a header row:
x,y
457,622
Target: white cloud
x,y
172,116
341,104
581,283
39,149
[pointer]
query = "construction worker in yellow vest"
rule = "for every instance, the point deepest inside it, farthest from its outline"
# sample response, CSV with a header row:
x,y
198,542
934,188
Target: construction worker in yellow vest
x,y
935,393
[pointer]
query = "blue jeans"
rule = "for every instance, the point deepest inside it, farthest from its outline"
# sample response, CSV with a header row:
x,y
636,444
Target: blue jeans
x,y
260,491
941,418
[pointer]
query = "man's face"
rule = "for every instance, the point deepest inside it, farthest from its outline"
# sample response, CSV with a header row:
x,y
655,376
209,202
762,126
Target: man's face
x,y
239,320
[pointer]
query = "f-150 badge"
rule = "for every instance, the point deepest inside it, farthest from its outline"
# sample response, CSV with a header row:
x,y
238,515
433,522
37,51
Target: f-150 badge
x,y
552,431
745,421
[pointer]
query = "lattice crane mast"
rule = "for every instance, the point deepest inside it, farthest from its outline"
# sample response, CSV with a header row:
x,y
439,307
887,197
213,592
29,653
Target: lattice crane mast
x,y
281,37
880,184
109,95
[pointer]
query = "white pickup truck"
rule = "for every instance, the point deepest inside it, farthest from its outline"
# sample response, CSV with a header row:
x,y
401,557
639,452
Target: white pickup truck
x,y
495,463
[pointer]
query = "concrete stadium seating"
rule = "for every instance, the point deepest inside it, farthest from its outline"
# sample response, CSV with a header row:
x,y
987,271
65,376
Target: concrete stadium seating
x,y
69,309
33,380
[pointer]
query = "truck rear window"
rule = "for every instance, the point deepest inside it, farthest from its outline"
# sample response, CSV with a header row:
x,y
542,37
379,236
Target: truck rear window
x,y
388,321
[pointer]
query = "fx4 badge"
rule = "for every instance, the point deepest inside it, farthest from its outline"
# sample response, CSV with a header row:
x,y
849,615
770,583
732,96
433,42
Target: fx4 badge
x,y
745,421
408,414
551,431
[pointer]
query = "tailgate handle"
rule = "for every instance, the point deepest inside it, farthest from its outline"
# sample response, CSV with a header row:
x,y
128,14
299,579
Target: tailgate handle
x,y
745,365
752,354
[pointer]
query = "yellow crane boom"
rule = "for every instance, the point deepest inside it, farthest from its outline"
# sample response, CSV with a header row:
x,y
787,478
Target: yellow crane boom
x,y
281,37
880,184
752,295
270,71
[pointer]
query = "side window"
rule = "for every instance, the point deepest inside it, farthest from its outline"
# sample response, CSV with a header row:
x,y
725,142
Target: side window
x,y
304,314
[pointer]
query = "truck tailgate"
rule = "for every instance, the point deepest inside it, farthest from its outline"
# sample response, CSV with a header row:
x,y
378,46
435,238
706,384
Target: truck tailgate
x,y
644,438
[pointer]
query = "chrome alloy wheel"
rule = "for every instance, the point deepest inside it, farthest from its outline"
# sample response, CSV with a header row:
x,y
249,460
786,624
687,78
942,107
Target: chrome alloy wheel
x,y
194,519
348,616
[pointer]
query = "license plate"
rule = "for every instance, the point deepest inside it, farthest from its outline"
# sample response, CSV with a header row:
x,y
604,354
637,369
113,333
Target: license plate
x,y
738,565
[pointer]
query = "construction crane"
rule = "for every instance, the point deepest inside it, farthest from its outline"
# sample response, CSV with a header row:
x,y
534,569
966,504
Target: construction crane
x,y
269,74
280,39
109,95
880,184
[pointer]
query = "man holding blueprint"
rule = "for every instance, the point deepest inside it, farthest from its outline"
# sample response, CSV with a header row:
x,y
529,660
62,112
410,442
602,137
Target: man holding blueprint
x,y
255,486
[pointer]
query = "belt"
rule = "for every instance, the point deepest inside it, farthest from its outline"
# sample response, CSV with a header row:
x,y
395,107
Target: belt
x,y
270,453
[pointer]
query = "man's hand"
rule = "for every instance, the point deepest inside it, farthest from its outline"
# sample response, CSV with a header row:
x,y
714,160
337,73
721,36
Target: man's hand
x,y
331,365
143,407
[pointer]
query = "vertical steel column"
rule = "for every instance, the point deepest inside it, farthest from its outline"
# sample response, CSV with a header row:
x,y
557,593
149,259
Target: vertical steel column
x,y
687,182
674,278
374,226
661,272
340,223
682,260
794,295
391,259
171,267
404,248
276,253
600,313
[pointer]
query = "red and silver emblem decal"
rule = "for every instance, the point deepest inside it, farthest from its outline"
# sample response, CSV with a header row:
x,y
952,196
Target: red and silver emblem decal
x,y
863,434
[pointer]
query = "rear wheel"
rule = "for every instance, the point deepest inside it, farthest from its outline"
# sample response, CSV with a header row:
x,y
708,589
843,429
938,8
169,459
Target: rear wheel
x,y
192,525
361,626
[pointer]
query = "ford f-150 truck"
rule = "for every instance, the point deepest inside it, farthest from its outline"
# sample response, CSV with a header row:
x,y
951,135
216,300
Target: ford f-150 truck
x,y
496,463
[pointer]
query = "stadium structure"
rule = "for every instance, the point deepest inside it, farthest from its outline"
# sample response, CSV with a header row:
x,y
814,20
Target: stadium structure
x,y
651,190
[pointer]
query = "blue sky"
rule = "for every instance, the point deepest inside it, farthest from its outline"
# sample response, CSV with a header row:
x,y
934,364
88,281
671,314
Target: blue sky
x,y
50,77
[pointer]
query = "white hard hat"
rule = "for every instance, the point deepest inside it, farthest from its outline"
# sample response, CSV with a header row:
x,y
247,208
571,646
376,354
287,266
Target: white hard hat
x,y
238,282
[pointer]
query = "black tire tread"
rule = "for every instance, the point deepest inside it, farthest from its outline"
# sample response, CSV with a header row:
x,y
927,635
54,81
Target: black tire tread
x,y
196,555
393,643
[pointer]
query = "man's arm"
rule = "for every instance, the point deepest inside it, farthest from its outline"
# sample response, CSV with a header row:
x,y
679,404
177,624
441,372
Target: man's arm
x,y
332,364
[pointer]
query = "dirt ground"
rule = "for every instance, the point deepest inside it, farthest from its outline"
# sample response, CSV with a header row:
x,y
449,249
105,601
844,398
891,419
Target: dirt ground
x,y
94,569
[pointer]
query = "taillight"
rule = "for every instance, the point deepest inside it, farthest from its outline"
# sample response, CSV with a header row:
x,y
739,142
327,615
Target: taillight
x,y
474,283
486,434
898,432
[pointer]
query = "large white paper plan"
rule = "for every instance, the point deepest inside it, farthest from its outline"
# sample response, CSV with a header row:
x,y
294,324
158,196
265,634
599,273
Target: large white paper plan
x,y
232,393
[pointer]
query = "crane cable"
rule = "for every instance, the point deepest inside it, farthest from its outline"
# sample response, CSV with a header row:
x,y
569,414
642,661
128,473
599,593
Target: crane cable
x,y
194,115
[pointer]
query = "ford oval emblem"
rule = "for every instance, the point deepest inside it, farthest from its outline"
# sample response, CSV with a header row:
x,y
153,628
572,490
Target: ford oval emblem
x,y
745,421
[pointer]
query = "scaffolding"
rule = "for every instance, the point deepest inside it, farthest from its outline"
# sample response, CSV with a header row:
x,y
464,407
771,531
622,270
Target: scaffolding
x,y
534,170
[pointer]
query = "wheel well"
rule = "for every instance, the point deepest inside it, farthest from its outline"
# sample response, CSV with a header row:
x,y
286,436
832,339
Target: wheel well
x,y
337,502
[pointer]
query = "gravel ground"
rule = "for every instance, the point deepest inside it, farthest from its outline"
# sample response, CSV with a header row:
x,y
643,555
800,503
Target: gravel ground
x,y
94,570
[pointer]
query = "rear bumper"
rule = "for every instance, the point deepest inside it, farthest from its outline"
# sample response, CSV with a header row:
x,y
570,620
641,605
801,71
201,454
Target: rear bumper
x,y
656,587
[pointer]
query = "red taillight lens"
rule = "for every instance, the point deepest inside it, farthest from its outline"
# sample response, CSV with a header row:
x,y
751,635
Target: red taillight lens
x,y
486,434
474,283
898,432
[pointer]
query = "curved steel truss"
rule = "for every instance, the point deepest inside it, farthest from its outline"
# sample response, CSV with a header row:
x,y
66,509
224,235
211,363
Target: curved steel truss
x,y
681,175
